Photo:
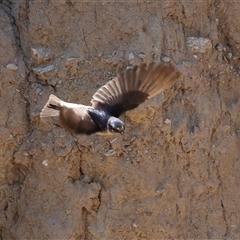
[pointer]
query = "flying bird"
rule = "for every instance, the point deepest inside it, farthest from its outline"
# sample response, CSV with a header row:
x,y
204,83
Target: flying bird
x,y
124,92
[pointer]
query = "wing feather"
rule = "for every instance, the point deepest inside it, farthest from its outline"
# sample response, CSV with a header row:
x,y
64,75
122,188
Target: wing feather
x,y
133,86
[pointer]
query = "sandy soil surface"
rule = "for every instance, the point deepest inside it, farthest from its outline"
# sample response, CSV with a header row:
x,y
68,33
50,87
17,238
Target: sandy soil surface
x,y
174,174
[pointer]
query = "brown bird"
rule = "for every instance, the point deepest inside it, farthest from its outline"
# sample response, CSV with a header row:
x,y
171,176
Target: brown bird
x,y
124,92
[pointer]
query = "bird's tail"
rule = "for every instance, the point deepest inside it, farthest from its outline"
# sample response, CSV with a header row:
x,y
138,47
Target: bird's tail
x,y
52,107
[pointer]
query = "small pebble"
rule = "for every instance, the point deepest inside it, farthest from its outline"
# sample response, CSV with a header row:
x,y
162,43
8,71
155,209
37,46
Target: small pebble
x,y
167,121
12,67
41,54
42,70
53,81
129,67
43,146
229,55
142,56
134,225
45,162
166,59
199,45
220,47
131,56
109,152
44,73
113,140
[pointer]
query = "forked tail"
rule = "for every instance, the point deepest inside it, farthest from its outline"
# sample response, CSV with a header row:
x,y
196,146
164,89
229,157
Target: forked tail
x,y
52,107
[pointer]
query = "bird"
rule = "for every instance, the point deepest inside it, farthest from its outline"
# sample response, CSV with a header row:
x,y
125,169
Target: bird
x,y
125,92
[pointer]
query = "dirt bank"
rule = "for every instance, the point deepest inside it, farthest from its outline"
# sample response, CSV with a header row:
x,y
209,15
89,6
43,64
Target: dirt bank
x,y
174,174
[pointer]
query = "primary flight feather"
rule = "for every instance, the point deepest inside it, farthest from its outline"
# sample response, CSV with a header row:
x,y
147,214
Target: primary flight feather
x,y
125,92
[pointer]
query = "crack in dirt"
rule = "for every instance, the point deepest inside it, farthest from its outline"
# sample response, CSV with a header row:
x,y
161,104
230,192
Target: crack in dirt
x,y
84,39
84,219
224,211
8,10
17,35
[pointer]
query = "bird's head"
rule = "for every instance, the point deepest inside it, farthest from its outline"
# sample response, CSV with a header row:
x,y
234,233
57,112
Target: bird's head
x,y
115,125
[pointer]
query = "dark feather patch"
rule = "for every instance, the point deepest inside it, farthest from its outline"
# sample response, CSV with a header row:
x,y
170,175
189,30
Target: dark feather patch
x,y
126,101
53,106
100,118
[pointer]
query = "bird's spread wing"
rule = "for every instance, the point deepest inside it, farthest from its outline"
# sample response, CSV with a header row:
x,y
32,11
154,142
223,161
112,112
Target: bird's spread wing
x,y
134,86
75,118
